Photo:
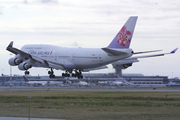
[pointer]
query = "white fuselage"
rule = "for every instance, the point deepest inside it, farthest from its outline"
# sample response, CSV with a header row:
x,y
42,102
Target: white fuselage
x,y
37,83
82,83
73,58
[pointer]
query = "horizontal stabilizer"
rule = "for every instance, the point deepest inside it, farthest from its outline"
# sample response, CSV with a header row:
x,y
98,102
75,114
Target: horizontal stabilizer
x,y
113,52
154,55
147,51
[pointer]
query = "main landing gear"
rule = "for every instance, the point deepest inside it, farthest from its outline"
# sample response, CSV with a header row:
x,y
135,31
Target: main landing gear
x,y
68,73
76,74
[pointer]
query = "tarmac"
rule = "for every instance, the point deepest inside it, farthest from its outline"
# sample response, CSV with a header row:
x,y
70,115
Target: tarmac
x,y
20,118
89,90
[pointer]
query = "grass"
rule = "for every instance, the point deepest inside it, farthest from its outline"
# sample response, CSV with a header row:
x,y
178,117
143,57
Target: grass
x,y
92,105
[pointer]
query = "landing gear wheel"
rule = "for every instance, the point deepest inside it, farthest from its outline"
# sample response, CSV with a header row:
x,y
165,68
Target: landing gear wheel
x,y
51,73
26,72
76,74
79,74
65,75
52,76
80,77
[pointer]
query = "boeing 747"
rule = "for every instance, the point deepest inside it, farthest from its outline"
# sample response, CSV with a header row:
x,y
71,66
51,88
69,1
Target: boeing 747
x,y
74,61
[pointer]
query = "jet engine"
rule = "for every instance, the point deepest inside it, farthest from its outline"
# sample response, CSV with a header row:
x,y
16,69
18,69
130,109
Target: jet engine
x,y
123,66
15,60
26,64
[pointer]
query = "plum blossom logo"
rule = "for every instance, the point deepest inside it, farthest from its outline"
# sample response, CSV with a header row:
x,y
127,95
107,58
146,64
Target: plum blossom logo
x,y
124,36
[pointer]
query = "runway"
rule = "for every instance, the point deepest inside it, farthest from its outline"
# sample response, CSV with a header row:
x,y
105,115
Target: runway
x,y
19,118
89,90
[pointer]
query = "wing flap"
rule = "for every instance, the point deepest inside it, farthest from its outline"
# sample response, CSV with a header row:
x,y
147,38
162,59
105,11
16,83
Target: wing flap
x,y
52,65
49,63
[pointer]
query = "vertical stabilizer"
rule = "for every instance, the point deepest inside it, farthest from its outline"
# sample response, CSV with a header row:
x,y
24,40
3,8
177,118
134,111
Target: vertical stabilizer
x,y
124,36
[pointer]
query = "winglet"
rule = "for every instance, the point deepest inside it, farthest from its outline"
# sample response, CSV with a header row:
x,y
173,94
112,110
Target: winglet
x,y
174,50
10,44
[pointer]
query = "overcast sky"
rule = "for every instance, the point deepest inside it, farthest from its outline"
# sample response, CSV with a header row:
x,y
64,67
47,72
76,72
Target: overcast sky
x,y
93,23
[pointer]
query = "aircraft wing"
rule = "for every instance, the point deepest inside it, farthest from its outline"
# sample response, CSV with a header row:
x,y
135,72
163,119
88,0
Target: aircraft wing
x,y
25,55
49,63
155,55
16,51
135,58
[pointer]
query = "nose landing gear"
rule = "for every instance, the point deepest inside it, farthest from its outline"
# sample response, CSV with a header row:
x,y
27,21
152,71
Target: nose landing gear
x,y
26,72
51,73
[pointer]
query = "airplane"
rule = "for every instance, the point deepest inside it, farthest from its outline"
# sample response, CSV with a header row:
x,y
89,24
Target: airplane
x,y
74,61
116,83
57,83
172,84
43,83
82,83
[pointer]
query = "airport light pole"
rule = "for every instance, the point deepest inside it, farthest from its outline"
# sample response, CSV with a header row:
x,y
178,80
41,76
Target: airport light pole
x,y
29,105
10,72
2,72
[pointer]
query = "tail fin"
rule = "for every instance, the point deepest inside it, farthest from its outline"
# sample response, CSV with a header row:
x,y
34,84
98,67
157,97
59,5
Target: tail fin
x,y
123,38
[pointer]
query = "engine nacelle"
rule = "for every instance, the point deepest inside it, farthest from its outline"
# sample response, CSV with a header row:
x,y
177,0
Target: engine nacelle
x,y
127,65
24,66
123,66
14,61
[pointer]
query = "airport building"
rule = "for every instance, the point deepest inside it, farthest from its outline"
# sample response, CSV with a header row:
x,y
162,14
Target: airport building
x,y
133,79
17,80
130,79
147,80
